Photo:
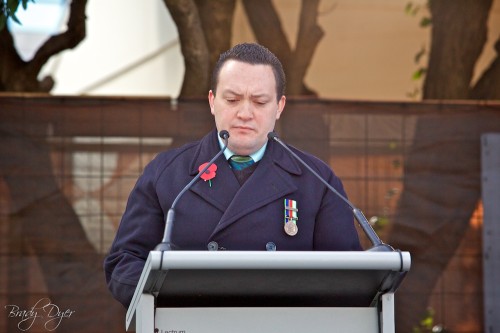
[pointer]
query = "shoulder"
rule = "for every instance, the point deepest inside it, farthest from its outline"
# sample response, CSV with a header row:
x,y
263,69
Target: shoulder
x,y
168,158
313,161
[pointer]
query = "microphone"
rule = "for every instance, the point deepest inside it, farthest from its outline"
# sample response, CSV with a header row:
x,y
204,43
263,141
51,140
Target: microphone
x,y
378,245
166,243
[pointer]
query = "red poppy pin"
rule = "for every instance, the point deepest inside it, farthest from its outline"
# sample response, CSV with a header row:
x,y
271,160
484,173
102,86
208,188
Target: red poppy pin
x,y
209,174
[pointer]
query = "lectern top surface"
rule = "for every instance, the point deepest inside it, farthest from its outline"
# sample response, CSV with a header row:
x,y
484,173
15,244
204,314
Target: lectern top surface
x,y
269,279
259,278
363,260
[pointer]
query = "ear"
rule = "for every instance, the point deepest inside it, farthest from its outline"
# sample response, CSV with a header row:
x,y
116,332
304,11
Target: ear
x,y
211,97
281,106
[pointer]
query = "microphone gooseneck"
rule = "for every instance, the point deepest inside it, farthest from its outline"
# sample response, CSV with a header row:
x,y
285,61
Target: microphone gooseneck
x,y
378,245
166,243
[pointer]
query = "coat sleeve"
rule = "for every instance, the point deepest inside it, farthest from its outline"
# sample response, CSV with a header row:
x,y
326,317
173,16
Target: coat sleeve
x,y
335,229
140,230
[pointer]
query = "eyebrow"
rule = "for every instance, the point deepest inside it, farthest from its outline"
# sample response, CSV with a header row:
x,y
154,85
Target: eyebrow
x,y
232,92
262,96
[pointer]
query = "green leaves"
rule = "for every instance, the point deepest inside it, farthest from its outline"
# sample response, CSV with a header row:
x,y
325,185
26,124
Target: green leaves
x,y
25,3
419,73
412,9
427,325
420,54
425,22
8,9
3,20
422,11
12,5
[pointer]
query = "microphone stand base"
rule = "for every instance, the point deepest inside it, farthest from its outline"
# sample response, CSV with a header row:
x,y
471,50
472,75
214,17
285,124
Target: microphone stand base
x,y
381,248
166,246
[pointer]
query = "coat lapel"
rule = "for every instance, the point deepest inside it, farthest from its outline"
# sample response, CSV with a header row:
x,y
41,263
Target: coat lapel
x,y
270,181
224,185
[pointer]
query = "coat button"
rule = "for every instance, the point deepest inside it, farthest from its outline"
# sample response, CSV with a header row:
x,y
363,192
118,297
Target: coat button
x,y
213,246
271,246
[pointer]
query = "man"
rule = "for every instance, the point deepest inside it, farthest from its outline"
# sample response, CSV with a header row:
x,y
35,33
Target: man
x,y
271,204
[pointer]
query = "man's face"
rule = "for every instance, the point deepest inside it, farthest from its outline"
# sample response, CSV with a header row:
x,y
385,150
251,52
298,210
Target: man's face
x,y
246,105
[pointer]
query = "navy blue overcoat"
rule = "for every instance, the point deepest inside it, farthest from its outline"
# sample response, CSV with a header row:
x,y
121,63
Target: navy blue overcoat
x,y
236,217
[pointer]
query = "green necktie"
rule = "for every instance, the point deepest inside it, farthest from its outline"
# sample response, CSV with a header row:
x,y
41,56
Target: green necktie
x,y
239,162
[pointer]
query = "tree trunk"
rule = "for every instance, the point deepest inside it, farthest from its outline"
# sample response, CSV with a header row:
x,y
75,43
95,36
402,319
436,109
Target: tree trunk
x,y
11,66
442,169
44,227
459,31
267,27
217,22
204,29
443,165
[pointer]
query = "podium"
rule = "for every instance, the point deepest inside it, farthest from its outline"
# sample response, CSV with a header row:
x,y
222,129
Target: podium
x,y
259,291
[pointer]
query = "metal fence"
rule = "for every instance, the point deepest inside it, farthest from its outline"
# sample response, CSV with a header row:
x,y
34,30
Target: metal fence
x,y
67,165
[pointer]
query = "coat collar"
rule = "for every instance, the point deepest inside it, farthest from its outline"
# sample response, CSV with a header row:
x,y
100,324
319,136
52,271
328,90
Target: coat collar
x,y
271,180
209,147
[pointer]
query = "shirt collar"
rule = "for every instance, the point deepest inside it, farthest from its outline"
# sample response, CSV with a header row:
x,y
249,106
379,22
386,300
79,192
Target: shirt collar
x,y
257,156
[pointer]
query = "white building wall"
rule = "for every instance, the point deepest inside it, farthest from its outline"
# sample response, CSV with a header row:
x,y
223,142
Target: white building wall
x,y
367,51
131,48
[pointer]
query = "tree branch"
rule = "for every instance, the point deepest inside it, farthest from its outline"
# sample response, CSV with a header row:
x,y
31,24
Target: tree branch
x,y
67,40
308,37
193,45
267,28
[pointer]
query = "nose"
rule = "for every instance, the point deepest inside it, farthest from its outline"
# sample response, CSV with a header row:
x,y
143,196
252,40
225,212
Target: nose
x,y
245,112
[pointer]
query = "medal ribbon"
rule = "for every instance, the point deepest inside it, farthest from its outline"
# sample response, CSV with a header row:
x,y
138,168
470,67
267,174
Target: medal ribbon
x,y
291,210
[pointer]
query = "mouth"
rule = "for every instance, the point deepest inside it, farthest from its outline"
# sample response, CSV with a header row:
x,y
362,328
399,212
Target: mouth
x,y
242,128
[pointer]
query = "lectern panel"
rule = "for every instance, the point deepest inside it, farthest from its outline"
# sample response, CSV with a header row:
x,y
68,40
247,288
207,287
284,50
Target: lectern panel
x,y
277,288
329,284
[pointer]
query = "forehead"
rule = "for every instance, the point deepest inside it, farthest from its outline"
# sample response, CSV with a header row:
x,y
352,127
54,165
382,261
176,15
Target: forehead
x,y
240,74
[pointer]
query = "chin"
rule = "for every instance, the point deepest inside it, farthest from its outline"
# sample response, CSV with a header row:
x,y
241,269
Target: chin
x,y
243,149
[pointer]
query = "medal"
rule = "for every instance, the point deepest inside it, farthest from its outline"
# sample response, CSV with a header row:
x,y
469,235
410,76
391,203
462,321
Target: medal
x,y
291,228
291,217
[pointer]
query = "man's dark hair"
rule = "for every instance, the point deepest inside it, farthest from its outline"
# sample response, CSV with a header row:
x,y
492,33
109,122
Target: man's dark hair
x,y
254,54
